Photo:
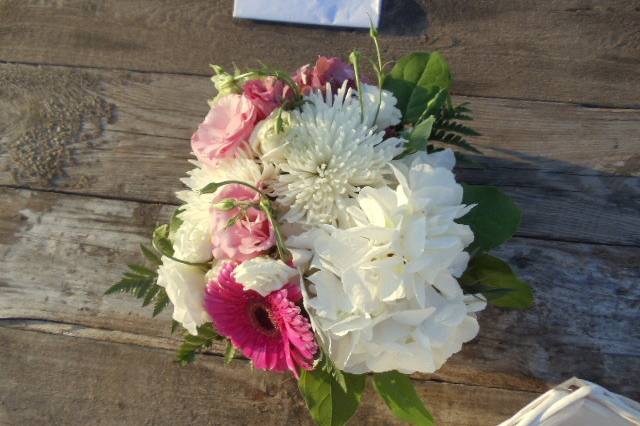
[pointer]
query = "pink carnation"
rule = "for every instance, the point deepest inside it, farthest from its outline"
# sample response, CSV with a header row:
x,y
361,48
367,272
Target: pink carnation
x,y
266,94
271,330
326,70
225,130
249,236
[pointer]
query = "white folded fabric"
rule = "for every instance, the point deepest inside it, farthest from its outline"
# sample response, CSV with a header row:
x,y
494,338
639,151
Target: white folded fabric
x,y
578,403
343,13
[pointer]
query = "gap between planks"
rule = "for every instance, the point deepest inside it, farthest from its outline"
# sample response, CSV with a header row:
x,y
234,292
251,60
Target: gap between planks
x,y
81,331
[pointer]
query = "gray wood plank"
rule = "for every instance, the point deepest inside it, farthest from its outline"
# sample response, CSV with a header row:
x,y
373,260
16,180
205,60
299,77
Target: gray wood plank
x,y
555,50
569,167
70,380
58,253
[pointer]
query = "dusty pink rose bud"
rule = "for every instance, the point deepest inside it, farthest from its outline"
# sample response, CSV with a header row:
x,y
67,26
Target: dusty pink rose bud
x,y
238,236
225,130
266,94
326,70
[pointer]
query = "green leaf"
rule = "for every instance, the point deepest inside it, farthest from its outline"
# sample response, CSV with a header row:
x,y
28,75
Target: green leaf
x,y
435,105
161,241
161,302
328,403
490,273
415,80
398,393
229,352
151,293
175,222
150,255
493,220
418,138
141,270
174,326
210,188
328,366
192,344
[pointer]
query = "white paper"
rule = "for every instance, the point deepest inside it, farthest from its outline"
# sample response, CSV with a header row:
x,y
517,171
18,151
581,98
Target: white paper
x,y
342,13
578,403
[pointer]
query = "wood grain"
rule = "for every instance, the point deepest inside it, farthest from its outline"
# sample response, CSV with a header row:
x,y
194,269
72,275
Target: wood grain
x,y
68,380
60,252
563,50
570,168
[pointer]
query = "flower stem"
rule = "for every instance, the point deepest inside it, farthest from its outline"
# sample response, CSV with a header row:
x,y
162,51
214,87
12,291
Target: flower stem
x,y
354,58
205,266
283,251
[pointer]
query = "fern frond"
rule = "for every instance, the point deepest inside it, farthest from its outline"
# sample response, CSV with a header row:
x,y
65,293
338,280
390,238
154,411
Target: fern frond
x,y
453,126
193,344
130,284
452,139
161,302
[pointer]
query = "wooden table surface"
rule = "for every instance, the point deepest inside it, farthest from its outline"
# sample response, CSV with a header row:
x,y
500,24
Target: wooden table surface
x,y
98,100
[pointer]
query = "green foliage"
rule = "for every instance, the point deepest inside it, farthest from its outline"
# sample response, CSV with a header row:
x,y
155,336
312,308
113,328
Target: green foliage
x,y
328,402
415,80
449,131
421,83
229,352
150,255
141,282
330,368
211,187
493,220
418,138
398,393
161,302
175,222
161,241
497,282
194,344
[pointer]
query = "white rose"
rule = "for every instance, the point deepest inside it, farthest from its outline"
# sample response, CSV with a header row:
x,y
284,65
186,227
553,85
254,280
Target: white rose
x,y
185,286
264,274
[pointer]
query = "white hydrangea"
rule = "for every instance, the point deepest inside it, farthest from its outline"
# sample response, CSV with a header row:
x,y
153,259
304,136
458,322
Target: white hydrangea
x,y
329,155
264,274
388,115
384,293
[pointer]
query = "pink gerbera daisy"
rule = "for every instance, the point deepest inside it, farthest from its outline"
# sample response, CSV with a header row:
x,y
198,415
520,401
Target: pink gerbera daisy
x,y
271,331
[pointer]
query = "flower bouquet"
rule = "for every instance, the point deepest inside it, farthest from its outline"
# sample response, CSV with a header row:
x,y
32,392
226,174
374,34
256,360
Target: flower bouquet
x,y
323,232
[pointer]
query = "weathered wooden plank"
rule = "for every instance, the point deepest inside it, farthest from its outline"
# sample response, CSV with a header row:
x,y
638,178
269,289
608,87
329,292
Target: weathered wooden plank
x,y
552,51
548,136
550,157
58,253
69,380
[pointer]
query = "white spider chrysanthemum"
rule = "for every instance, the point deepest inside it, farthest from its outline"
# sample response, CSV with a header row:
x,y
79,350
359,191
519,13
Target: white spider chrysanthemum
x,y
329,155
385,294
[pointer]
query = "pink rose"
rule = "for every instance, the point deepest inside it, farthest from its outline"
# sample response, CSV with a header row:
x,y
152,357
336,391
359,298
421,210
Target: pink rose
x,y
225,130
266,94
326,70
250,235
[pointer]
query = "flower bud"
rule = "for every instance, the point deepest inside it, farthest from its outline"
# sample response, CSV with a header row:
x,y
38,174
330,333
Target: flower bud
x,y
267,140
225,205
224,82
